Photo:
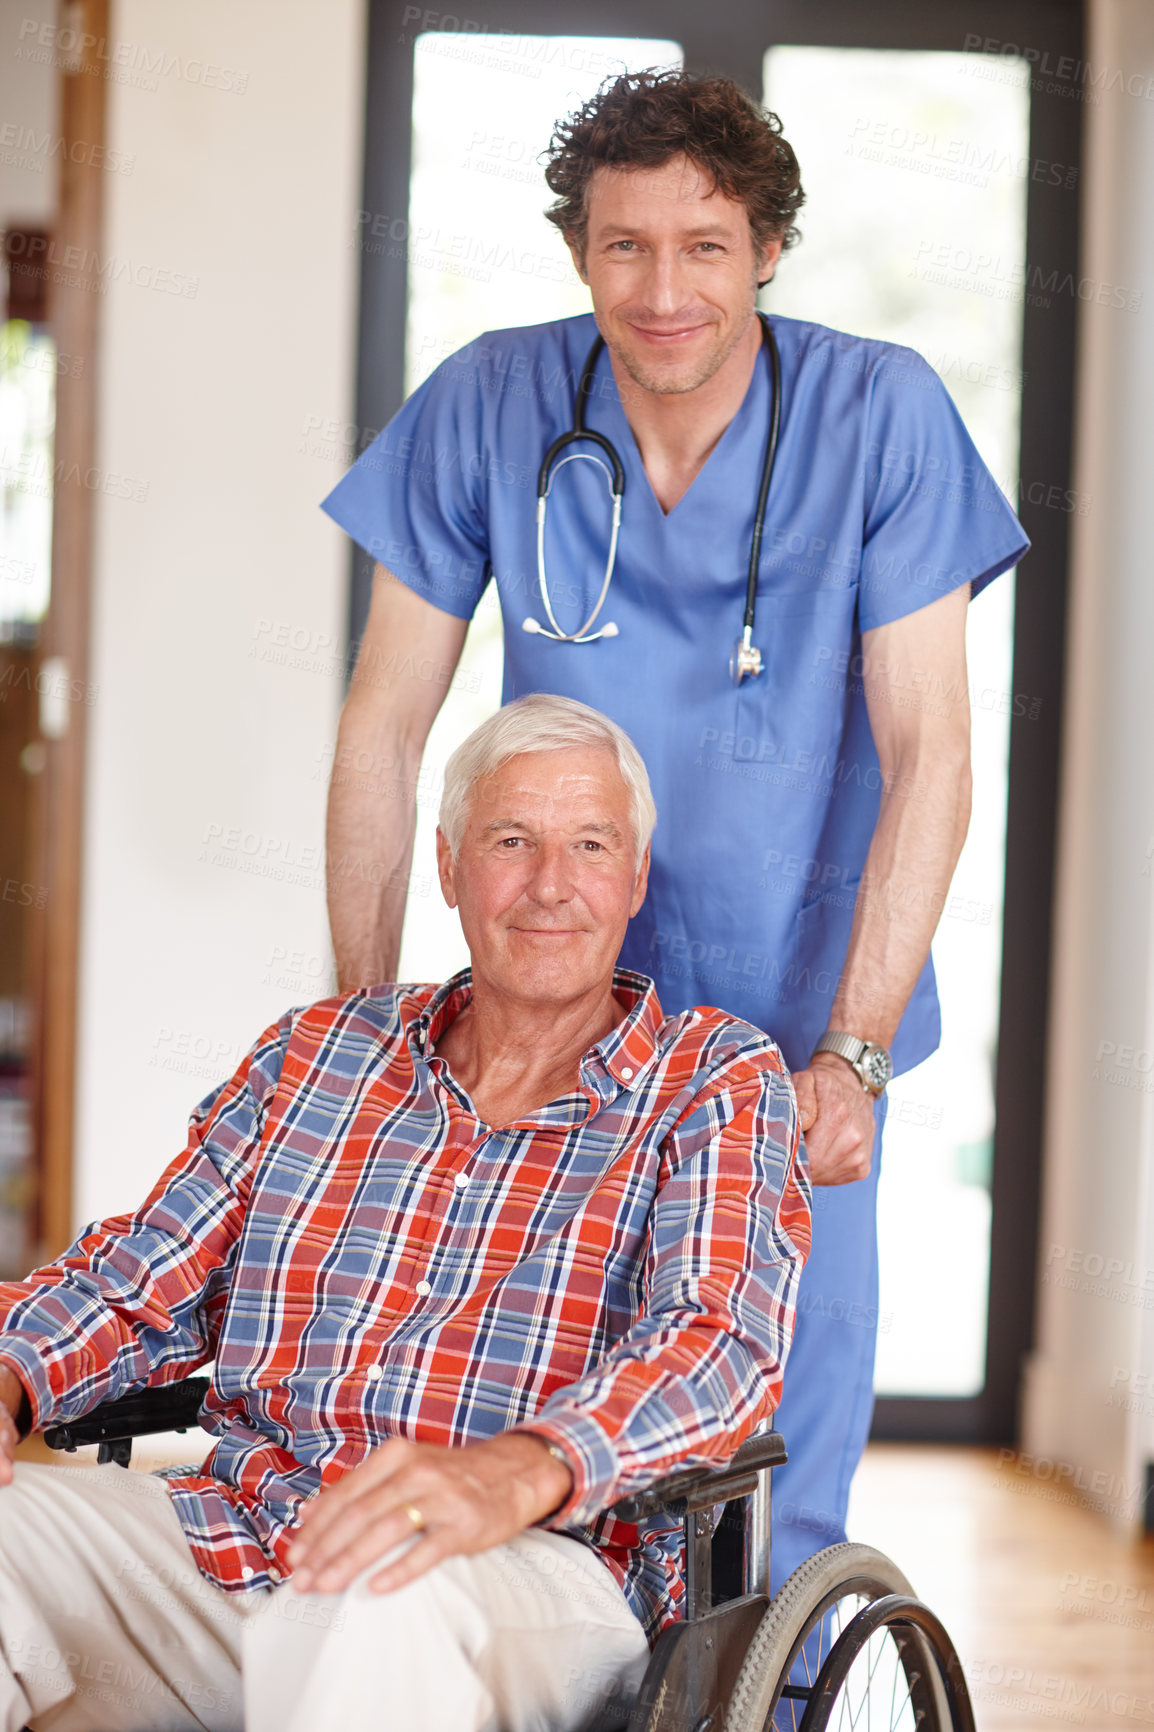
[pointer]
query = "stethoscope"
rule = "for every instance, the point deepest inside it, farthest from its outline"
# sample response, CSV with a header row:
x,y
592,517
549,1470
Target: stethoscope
x,y
745,658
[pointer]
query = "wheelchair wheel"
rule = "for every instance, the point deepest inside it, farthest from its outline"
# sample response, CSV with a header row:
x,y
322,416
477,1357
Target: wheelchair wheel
x,y
887,1672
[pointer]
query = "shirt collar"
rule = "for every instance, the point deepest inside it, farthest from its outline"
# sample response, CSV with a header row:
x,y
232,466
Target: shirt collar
x,y
622,1054
425,1019
627,1049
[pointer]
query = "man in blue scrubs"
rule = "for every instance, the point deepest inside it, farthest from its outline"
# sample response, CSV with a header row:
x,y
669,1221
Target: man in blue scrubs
x,y
810,816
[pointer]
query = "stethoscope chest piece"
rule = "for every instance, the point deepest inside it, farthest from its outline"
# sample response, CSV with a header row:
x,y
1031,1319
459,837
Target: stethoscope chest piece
x,y
744,658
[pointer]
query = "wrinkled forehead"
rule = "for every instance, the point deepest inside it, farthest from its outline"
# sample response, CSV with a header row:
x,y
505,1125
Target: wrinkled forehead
x,y
563,789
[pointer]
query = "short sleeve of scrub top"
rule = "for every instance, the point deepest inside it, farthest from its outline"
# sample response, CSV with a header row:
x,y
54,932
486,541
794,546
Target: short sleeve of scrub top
x,y
414,499
934,516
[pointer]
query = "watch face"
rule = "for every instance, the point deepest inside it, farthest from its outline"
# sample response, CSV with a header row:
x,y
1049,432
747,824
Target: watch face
x,y
878,1066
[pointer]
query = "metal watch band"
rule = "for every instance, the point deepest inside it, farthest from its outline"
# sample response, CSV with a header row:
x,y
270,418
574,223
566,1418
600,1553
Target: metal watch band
x,y
871,1062
847,1046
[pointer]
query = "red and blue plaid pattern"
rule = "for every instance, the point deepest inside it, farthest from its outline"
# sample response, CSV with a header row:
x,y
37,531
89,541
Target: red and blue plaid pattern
x,y
366,1259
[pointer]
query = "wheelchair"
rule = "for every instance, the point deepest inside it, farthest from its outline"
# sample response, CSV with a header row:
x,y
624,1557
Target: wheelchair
x,y
844,1643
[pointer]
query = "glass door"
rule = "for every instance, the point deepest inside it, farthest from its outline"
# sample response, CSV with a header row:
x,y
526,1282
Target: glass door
x,y
480,256
916,174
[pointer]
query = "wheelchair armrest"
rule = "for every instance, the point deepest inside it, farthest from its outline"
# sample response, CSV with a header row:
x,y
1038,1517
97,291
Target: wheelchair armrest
x,y
169,1407
698,1487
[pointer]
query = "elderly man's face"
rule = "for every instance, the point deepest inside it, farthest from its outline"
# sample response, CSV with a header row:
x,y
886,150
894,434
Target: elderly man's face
x,y
547,874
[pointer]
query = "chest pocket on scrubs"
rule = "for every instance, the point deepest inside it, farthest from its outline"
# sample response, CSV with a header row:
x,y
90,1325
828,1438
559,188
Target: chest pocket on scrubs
x,y
796,710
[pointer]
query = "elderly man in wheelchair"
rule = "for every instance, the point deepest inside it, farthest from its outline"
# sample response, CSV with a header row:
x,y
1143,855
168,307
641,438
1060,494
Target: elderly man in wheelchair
x,y
477,1265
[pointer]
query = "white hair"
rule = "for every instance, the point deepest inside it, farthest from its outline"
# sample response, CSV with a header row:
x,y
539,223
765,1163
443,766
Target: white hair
x,y
542,723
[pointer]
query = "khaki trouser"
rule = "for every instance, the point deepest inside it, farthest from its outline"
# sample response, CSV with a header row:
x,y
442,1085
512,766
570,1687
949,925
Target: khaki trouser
x,y
106,1625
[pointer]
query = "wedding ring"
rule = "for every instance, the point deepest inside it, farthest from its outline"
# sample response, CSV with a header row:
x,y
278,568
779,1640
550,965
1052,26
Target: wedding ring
x,y
414,1516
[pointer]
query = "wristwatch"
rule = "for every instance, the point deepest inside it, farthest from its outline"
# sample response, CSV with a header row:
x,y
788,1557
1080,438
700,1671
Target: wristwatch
x,y
872,1063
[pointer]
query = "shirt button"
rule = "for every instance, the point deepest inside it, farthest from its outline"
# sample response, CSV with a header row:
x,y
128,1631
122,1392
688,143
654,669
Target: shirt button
x,y
274,1574
461,1180
424,1288
626,1072
374,1374
248,1572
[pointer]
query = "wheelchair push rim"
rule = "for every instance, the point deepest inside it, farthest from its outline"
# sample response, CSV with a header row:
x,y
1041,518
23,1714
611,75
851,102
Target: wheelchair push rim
x,y
810,1665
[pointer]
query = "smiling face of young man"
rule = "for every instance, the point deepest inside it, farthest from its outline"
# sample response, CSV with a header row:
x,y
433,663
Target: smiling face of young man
x,y
673,272
546,876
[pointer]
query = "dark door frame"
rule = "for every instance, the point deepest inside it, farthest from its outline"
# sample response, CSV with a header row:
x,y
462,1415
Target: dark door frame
x,y
732,39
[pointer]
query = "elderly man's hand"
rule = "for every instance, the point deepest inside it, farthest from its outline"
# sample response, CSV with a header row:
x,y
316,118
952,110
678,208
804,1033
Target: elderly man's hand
x,y
468,1500
837,1119
12,1398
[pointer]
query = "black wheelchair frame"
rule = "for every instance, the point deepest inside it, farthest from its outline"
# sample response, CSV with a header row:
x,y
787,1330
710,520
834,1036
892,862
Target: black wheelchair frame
x,y
735,1661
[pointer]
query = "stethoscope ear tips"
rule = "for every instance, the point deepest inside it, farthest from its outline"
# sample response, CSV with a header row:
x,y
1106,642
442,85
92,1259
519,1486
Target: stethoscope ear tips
x,y
530,625
609,630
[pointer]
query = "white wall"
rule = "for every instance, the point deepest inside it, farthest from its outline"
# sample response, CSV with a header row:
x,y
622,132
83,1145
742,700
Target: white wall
x,y
29,122
245,124
1090,1388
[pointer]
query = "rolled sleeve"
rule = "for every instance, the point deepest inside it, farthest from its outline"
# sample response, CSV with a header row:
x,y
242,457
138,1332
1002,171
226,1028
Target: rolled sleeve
x,y
137,1299
24,1361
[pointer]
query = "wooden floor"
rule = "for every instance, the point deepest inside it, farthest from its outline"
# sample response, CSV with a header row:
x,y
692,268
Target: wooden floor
x,y
1052,1614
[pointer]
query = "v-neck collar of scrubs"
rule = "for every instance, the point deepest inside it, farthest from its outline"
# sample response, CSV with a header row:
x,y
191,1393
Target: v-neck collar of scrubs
x,y
755,403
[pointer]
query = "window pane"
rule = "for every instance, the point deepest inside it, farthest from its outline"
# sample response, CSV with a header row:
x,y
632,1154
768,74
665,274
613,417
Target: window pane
x,y
481,256
27,416
915,167
28,371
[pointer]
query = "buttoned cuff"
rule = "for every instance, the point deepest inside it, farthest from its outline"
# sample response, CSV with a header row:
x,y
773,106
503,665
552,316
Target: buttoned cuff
x,y
23,1359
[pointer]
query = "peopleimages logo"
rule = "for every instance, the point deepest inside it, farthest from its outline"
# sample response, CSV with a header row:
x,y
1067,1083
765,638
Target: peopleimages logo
x,y
85,268
733,970
1062,72
137,63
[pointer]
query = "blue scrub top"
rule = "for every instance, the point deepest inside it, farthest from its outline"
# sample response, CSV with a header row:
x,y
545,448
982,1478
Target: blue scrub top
x,y
767,794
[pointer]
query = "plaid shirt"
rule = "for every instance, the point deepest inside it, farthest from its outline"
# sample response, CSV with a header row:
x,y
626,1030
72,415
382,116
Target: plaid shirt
x,y
366,1259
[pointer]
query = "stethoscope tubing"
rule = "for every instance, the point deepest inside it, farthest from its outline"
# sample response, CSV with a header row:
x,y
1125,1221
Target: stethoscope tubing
x,y
553,462
615,492
766,473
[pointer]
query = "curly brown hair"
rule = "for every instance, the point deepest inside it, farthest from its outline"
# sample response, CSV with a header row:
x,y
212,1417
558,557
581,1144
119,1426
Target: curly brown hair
x,y
643,119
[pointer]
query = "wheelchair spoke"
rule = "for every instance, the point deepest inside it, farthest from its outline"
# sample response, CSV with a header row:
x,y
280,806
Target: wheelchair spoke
x,y
882,1644
899,1672
885,1645
868,1699
806,1632
823,1636
808,1661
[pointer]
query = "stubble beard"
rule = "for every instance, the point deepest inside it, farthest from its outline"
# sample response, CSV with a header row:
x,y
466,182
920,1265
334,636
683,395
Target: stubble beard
x,y
661,383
